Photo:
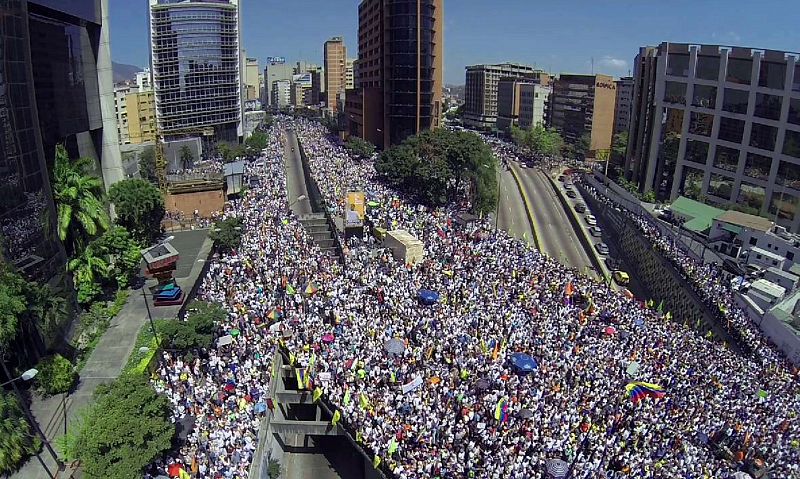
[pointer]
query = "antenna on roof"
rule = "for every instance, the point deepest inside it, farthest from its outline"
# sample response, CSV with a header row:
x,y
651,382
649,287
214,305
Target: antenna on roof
x,y
592,65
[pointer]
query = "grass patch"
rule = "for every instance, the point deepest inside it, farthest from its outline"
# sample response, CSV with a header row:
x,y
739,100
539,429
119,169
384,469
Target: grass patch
x,y
138,362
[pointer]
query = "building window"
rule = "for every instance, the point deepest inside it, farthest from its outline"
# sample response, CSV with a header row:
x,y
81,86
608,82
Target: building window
x,y
772,75
791,143
707,67
726,158
790,255
678,64
696,151
757,166
753,241
784,204
705,96
735,101
763,136
768,106
788,175
731,129
740,70
692,183
701,123
751,198
675,92
720,186
794,111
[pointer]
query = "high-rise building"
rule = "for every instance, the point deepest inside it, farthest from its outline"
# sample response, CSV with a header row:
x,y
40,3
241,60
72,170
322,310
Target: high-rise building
x,y
281,93
582,106
273,72
349,78
195,54
144,80
622,108
55,88
480,108
335,71
399,68
251,79
521,102
141,112
121,112
720,124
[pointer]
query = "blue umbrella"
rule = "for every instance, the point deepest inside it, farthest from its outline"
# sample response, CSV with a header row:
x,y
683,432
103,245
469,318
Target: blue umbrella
x,y
523,363
427,296
260,407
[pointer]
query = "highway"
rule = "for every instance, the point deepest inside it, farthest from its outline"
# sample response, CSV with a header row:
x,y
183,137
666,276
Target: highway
x,y
512,216
556,236
295,180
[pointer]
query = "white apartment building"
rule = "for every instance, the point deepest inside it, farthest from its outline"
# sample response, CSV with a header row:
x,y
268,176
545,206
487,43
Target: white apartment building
x,y
121,112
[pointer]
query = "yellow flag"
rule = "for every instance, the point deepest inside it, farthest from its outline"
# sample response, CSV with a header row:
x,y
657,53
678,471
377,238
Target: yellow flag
x,y
376,462
347,398
292,359
337,416
317,394
364,401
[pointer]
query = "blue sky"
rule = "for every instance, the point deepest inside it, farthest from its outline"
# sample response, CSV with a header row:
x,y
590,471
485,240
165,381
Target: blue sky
x,y
556,35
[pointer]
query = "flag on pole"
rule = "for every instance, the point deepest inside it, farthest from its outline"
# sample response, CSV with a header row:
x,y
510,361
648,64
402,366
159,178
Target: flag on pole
x,y
290,289
317,394
501,410
363,400
311,289
337,416
661,306
300,373
393,445
376,462
346,400
639,390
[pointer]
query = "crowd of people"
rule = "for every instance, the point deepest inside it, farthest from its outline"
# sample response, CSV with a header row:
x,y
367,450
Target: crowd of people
x,y
448,402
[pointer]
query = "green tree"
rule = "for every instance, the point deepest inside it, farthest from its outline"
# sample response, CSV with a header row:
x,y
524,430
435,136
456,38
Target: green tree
x,y
229,152
56,375
198,329
227,233
541,140
17,440
89,271
122,252
79,200
140,208
619,147
147,165
582,146
437,165
124,431
256,142
13,304
360,147
187,157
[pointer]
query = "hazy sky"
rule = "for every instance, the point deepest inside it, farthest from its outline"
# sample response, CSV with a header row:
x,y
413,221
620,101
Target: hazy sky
x,y
557,35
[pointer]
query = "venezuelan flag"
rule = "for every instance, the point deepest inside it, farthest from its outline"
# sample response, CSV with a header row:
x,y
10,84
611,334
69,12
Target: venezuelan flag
x,y
640,390
311,289
501,410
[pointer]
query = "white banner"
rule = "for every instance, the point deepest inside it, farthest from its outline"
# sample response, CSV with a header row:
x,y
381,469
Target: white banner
x,y
414,384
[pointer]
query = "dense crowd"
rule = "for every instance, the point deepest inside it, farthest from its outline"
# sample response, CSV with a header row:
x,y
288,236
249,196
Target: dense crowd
x,y
431,408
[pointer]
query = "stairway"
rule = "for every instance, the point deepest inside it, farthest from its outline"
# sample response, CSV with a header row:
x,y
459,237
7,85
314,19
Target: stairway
x,y
318,228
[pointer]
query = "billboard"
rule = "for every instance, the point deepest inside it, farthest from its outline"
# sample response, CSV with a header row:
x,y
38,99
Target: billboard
x,y
276,60
355,208
303,79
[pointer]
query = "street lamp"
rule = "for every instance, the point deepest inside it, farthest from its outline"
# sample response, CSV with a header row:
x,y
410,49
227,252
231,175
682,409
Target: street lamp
x,y
144,296
297,200
27,376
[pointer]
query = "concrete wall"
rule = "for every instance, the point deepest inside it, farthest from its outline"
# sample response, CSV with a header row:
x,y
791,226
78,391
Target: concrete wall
x,y
206,202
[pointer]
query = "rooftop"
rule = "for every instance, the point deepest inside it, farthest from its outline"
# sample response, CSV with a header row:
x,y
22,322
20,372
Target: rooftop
x,y
745,220
699,216
768,288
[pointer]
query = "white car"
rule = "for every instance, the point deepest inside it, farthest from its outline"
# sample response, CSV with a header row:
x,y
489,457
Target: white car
x,y
601,248
591,220
595,231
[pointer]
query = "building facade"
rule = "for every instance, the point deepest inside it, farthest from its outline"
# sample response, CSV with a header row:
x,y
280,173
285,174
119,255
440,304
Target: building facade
x,y
480,107
624,105
141,112
275,71
719,124
399,68
582,106
335,72
251,79
144,80
522,103
349,75
281,94
55,88
121,112
196,64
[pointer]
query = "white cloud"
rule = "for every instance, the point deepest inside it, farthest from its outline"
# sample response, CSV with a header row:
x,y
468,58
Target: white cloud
x,y
613,63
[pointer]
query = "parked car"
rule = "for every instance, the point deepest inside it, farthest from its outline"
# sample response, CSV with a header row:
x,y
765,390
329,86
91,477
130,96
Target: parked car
x,y
596,231
580,207
601,248
621,277
591,220
562,178
572,194
612,264
568,186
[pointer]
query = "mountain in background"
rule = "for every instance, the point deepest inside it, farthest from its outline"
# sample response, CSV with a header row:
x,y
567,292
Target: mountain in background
x,y
123,72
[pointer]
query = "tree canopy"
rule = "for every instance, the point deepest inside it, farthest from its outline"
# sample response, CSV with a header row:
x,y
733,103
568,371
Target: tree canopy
x,y
198,329
227,233
140,208
442,166
360,147
256,142
17,440
79,199
124,431
147,165
540,140
187,157
619,148
230,151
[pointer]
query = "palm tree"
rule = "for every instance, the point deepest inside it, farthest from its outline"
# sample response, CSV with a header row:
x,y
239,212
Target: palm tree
x,y
79,198
16,438
90,271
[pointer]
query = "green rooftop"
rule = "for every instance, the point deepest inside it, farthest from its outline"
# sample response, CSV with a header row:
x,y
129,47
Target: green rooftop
x,y
698,215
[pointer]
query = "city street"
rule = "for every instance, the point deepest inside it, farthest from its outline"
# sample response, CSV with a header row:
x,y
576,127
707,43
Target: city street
x,y
512,215
556,236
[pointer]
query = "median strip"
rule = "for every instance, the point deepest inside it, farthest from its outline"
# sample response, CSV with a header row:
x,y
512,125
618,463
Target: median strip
x,y
528,208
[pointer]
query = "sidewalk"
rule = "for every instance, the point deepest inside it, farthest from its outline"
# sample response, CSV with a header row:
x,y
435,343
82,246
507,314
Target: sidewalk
x,y
111,354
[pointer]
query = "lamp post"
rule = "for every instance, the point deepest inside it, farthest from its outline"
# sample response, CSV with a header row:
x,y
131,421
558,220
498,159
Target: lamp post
x,y
144,296
297,200
27,376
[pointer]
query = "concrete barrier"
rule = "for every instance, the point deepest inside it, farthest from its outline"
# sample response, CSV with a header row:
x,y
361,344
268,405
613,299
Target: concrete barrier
x,y
528,208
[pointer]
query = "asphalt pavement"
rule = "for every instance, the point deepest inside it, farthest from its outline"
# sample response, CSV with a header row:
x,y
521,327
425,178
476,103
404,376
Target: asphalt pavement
x,y
295,180
512,216
556,236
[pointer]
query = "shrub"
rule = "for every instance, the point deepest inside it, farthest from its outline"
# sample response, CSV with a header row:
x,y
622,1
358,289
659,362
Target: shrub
x,y
197,331
18,440
56,375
